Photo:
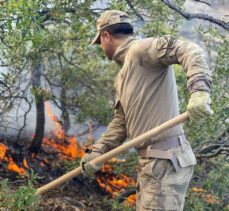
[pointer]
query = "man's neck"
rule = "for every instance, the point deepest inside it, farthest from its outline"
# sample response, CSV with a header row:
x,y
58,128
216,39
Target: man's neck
x,y
119,41
121,50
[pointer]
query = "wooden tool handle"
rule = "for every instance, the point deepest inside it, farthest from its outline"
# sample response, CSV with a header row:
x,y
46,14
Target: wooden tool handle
x,y
107,156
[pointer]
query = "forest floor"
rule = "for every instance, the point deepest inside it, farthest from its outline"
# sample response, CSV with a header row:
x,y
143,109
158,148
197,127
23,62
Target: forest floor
x,y
114,184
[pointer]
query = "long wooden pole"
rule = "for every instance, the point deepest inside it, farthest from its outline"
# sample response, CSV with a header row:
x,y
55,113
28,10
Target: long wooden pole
x,y
107,156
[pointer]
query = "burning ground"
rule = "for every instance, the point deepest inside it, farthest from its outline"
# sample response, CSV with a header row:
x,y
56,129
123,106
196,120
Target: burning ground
x,y
113,188
59,154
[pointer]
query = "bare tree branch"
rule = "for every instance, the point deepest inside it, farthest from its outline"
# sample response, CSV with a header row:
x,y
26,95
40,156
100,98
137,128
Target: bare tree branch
x,y
221,148
134,10
190,16
204,2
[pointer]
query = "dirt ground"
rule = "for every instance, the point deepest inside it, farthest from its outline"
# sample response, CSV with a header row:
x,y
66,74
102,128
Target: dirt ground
x,y
76,196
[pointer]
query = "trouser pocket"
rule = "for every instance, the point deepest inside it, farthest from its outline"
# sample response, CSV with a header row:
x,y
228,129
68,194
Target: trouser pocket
x,y
154,195
159,201
160,187
152,172
159,168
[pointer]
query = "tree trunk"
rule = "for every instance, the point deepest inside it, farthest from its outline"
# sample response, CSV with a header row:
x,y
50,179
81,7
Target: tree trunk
x,y
40,108
65,114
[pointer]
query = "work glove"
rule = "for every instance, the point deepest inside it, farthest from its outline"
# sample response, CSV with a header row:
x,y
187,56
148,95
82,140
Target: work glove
x,y
199,105
88,169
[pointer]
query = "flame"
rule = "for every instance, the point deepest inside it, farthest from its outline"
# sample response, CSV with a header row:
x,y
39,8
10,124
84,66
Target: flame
x,y
25,164
69,146
70,149
59,132
3,150
208,198
113,184
130,200
12,166
197,190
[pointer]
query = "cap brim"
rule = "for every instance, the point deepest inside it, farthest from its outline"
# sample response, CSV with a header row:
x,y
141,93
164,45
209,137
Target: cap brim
x,y
96,40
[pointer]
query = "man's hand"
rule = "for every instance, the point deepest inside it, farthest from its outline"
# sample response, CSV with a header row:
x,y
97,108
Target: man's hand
x,y
199,105
89,169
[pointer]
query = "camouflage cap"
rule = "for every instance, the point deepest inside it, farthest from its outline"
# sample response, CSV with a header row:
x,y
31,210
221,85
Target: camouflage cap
x,y
108,18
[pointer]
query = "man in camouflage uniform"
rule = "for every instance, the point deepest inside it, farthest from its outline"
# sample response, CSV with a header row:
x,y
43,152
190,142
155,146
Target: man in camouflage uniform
x,y
146,96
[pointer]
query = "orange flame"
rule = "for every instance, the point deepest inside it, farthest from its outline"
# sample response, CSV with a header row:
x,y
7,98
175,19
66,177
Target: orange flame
x,y
12,166
208,198
59,132
132,198
71,149
25,164
3,150
113,184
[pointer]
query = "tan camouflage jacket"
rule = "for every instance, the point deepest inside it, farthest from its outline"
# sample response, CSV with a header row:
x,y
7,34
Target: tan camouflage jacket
x,y
146,91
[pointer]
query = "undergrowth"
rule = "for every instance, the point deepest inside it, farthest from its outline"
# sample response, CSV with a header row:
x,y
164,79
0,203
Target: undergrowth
x,y
23,198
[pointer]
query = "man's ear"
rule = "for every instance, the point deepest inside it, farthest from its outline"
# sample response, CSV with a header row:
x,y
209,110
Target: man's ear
x,y
107,36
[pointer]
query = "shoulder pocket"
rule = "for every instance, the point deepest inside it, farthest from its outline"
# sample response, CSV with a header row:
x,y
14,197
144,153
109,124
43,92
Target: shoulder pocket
x,y
163,44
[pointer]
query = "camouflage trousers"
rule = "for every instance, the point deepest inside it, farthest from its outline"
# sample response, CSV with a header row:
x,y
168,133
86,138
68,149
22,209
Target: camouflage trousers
x,y
160,187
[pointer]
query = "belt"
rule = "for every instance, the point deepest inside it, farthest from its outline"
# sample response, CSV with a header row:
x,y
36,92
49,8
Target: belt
x,y
159,150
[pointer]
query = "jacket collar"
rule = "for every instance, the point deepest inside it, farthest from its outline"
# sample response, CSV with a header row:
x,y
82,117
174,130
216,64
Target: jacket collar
x,y
121,51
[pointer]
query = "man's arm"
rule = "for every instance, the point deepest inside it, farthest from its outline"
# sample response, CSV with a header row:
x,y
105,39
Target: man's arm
x,y
112,138
115,134
192,58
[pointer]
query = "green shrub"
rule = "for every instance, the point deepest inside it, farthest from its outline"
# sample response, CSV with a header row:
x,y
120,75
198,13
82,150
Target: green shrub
x,y
209,189
21,199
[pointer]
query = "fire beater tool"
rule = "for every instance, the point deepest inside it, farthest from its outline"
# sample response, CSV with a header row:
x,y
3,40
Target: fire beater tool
x,y
107,156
